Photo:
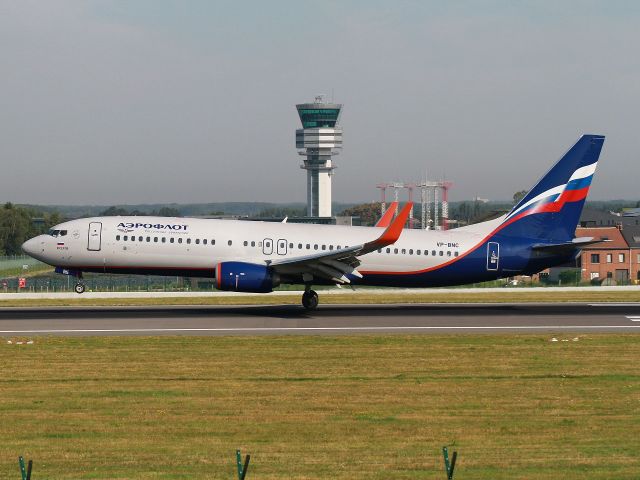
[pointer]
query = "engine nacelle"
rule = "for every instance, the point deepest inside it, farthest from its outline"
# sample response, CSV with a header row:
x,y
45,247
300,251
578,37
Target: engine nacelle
x,y
245,277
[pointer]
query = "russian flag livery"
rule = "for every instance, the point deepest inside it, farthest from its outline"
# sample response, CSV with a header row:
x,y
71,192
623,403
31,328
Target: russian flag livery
x,y
554,199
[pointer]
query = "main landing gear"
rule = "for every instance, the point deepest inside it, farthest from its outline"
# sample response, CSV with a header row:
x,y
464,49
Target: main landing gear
x,y
309,298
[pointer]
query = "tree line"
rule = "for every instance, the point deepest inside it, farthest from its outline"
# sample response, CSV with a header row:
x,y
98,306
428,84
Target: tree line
x,y
18,224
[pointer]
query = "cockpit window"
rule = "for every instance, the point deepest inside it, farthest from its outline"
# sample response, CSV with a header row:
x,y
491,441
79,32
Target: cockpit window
x,y
57,233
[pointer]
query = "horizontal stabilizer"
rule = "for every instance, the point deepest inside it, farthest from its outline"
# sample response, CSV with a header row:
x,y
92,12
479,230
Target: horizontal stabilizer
x,y
564,246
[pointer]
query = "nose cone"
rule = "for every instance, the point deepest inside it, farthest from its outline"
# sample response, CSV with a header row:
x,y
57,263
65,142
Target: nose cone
x,y
31,246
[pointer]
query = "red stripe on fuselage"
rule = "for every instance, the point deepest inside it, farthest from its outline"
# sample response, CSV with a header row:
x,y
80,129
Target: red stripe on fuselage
x,y
552,207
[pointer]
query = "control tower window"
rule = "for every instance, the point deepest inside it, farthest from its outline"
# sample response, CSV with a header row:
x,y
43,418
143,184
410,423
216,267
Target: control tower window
x,y
319,117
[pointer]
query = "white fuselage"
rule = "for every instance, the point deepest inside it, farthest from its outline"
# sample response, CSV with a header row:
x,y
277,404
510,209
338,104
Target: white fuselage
x,y
165,244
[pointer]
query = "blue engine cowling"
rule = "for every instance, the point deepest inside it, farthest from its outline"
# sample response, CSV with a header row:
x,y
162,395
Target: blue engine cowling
x,y
245,277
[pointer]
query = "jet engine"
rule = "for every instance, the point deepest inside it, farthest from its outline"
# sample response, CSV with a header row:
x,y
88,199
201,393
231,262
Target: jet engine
x,y
246,277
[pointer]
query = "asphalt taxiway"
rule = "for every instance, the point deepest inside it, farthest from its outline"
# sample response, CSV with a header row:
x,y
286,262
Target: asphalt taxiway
x,y
326,320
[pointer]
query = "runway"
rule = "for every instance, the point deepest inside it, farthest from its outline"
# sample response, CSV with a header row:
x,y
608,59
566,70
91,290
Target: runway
x,y
327,320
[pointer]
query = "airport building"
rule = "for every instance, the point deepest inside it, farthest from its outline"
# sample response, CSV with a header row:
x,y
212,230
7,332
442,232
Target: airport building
x,y
318,140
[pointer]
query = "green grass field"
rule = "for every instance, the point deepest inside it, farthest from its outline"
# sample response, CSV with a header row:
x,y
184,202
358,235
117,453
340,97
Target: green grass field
x,y
366,407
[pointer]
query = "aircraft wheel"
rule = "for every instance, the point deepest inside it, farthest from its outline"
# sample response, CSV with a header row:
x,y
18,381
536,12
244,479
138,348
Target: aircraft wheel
x,y
310,300
79,288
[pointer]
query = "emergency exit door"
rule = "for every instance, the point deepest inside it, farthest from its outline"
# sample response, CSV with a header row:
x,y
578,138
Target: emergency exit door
x,y
95,236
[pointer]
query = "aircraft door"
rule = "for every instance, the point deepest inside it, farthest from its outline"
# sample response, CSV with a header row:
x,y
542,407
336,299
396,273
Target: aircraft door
x,y
493,256
267,246
282,246
95,236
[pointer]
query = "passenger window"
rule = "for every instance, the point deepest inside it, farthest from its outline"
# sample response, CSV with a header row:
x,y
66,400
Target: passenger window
x,y
395,250
433,252
197,241
148,239
299,246
180,240
324,247
315,247
126,237
455,254
133,239
338,247
155,239
290,245
388,250
188,241
410,251
245,243
140,238
164,239
418,252
204,242
448,253
171,240
117,237
379,250
308,246
330,247
404,251
441,253
213,241
230,242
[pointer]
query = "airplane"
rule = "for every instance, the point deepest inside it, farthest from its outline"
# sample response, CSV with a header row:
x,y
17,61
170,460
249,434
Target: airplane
x,y
245,256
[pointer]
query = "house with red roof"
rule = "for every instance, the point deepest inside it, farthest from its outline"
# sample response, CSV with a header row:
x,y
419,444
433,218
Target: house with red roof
x,y
615,260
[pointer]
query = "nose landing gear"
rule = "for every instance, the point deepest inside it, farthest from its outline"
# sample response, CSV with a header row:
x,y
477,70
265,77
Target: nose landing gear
x,y
309,298
79,287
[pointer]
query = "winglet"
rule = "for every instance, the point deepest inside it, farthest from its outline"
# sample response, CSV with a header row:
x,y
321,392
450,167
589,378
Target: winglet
x,y
393,231
385,220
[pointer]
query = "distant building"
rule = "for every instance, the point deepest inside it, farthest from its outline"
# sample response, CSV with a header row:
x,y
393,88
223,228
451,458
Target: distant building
x,y
597,218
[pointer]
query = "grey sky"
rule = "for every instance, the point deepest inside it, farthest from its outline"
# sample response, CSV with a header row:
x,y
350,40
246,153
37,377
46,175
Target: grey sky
x,y
171,101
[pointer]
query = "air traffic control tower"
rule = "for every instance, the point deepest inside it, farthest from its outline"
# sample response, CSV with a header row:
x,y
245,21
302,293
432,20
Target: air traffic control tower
x,y
317,140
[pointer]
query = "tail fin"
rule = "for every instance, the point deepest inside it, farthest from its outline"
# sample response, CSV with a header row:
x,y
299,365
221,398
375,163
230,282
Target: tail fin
x,y
551,210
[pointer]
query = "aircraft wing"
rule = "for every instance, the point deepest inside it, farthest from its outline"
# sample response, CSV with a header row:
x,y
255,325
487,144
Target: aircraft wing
x,y
335,265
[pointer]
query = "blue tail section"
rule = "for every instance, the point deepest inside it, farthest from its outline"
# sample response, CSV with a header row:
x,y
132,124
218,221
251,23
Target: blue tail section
x,y
551,210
